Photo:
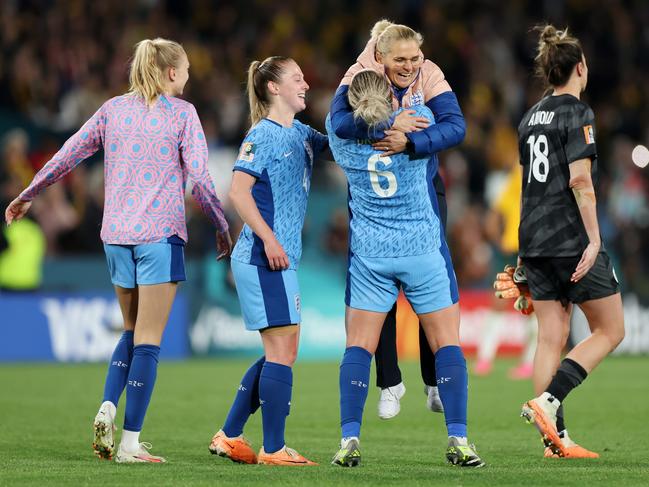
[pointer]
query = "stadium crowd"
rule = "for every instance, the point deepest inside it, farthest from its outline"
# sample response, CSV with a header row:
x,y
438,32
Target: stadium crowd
x,y
61,59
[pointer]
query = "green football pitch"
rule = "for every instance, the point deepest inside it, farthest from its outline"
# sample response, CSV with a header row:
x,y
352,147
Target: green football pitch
x,y
47,411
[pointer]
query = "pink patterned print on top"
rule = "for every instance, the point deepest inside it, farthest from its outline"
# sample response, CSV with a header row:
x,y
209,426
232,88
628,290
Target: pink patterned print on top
x,y
149,154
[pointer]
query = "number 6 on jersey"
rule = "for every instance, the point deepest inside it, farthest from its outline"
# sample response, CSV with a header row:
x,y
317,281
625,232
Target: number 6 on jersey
x,y
374,176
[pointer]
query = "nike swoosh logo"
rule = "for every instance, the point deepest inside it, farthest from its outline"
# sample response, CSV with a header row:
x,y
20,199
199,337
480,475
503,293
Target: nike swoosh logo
x,y
286,154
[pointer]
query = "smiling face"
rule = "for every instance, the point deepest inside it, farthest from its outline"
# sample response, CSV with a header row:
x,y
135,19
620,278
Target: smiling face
x,y
291,87
178,76
402,62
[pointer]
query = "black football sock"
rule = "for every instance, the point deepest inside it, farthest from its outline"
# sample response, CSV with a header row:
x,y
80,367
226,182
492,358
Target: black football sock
x,y
569,375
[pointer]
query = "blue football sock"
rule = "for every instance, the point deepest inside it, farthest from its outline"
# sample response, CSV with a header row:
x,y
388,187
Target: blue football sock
x,y
246,402
452,381
141,379
275,386
354,379
118,368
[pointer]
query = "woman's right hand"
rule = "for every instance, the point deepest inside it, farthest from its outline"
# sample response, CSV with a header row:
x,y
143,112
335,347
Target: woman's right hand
x,y
277,258
16,210
405,122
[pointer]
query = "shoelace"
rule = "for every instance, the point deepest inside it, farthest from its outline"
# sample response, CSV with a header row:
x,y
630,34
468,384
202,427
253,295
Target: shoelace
x,y
388,391
146,446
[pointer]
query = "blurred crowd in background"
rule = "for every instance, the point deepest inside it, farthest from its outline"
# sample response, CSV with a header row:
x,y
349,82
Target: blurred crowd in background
x,y
61,59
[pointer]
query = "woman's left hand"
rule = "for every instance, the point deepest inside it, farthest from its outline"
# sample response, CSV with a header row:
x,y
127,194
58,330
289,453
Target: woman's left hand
x,y
223,244
393,143
16,210
407,121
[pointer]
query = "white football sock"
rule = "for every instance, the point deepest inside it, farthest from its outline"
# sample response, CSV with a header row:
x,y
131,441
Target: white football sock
x,y
130,441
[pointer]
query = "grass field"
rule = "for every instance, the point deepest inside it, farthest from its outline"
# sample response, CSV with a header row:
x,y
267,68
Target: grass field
x,y
46,413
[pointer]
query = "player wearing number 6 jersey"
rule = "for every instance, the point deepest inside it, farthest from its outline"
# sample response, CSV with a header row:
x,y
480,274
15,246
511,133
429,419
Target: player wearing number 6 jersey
x,y
560,244
395,242
394,51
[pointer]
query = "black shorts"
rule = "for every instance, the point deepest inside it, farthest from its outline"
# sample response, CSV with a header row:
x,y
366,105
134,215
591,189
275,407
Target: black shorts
x,y
549,279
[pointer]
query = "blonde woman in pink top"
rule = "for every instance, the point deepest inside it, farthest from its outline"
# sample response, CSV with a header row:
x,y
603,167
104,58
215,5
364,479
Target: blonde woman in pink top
x,y
153,144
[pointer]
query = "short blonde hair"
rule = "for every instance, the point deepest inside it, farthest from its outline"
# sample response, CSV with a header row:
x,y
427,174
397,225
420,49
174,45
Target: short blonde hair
x,y
152,57
387,33
370,97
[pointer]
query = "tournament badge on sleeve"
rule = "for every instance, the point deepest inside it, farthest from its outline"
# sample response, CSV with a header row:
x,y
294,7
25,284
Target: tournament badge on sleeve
x,y
247,152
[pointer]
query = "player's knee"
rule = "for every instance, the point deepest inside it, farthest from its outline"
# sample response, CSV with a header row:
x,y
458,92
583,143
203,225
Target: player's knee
x,y
285,357
363,342
291,357
555,339
616,335
563,332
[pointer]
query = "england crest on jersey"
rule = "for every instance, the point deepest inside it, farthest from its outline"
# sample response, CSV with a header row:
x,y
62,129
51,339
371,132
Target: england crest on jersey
x,y
417,99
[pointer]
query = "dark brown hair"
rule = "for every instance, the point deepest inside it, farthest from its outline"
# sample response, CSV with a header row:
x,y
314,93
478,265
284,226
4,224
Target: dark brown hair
x,y
557,55
259,74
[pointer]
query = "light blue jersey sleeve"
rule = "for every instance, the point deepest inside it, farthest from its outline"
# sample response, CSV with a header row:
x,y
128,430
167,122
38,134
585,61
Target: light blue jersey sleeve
x,y
256,152
318,141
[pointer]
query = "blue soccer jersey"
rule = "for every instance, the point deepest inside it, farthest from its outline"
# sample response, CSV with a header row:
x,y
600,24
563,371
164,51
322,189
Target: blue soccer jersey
x,y
281,159
392,213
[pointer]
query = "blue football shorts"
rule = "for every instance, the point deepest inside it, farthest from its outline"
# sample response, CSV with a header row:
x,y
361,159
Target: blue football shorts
x,y
428,281
146,264
267,298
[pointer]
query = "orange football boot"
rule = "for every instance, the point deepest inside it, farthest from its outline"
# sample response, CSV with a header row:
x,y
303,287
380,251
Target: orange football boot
x,y
285,456
237,449
544,418
571,450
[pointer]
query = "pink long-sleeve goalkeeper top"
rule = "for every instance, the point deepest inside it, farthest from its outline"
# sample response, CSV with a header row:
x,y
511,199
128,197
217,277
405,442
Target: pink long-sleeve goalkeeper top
x,y
149,154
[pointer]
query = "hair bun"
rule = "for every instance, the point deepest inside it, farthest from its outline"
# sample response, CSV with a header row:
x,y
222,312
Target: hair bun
x,y
379,28
557,54
549,35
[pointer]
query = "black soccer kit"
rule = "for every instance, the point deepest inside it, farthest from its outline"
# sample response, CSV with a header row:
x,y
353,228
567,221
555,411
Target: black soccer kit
x,y
555,132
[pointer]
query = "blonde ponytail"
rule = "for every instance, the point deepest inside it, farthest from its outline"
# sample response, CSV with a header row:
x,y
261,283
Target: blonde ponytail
x,y
258,110
379,27
150,61
370,97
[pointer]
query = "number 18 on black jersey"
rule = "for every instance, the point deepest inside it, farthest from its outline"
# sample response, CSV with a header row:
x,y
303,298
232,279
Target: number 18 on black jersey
x,y
556,131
